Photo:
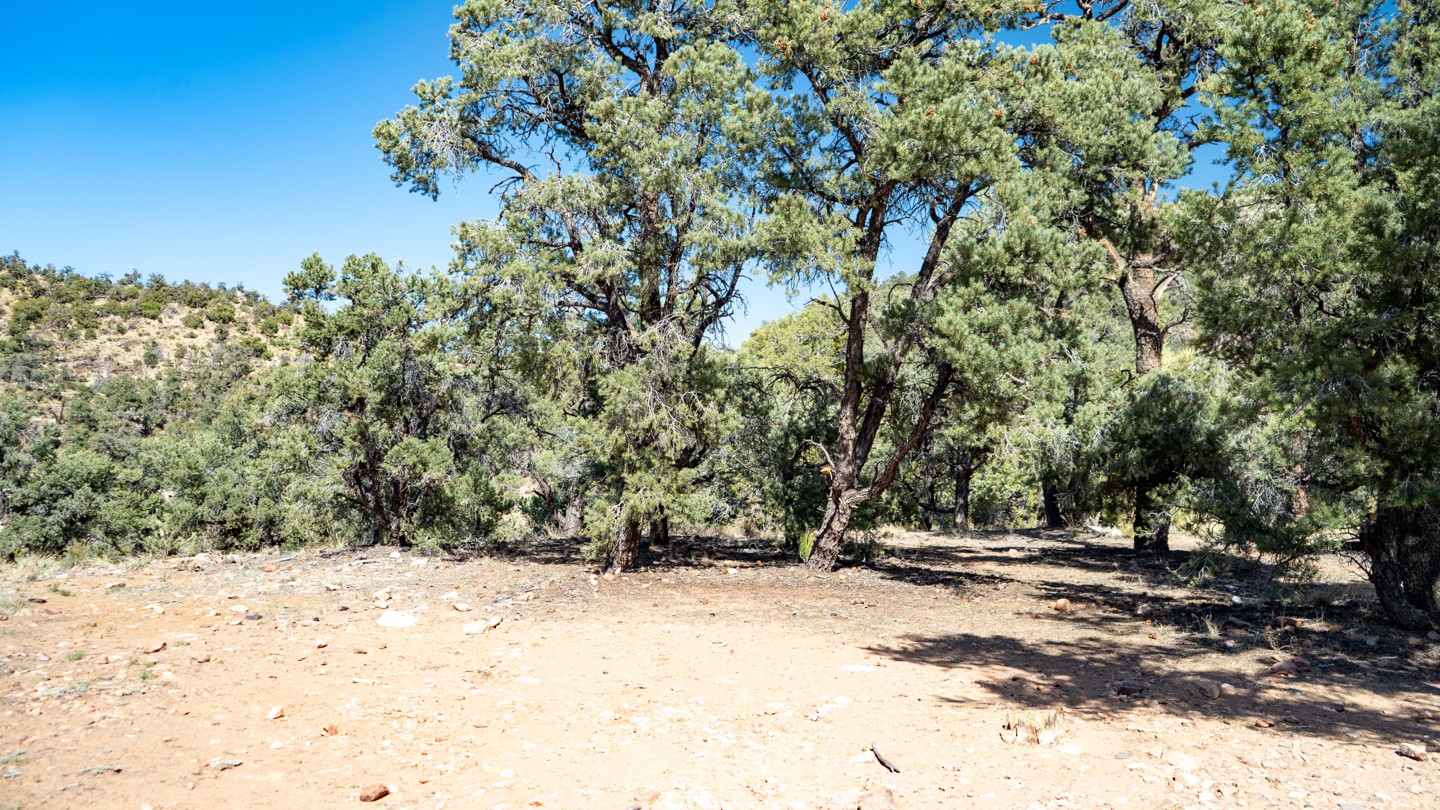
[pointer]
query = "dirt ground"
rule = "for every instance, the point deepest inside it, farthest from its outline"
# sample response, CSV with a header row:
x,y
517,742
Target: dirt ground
x,y
725,678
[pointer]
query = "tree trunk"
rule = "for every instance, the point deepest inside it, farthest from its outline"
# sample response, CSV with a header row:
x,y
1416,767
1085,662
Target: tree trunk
x,y
1050,500
625,550
660,531
1299,499
1142,304
830,538
964,471
574,510
1404,565
927,494
1152,522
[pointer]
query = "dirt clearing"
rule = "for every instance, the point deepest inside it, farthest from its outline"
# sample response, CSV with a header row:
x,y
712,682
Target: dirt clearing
x,y
992,670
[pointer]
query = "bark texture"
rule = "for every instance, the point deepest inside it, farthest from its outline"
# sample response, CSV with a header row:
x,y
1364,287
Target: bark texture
x,y
1403,545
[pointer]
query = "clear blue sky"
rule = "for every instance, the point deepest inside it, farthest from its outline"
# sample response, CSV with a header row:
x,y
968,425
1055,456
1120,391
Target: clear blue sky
x,y
224,143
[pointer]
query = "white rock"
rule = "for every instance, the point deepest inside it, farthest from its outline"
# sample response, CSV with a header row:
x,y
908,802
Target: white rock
x,y
396,619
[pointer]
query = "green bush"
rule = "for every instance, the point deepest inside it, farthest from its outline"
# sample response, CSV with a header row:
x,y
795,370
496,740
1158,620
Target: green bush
x,y
222,313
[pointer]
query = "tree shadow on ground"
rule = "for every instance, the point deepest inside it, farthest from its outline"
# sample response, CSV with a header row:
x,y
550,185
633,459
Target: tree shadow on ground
x,y
1239,611
683,552
1102,677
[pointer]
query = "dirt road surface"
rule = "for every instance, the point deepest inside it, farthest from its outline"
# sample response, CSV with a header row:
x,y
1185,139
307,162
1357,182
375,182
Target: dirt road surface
x,y
724,678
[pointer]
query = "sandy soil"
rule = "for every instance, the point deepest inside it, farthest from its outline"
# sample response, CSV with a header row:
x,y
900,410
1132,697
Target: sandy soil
x,y
726,679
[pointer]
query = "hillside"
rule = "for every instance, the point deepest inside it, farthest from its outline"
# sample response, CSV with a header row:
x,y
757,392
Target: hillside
x,y
90,329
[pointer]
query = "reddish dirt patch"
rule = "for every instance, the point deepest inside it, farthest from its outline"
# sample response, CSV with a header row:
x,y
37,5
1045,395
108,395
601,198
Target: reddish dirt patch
x,y
729,679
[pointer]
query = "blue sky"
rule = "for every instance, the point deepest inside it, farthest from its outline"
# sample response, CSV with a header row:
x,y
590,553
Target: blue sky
x,y
224,143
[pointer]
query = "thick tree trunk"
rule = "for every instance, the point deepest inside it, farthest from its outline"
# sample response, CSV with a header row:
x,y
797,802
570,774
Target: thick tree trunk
x,y
660,531
964,472
1142,304
1152,522
1405,565
574,516
830,538
625,550
1050,501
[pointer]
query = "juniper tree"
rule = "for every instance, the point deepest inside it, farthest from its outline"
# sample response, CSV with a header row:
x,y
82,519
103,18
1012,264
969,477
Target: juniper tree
x,y
909,117
623,137
1320,263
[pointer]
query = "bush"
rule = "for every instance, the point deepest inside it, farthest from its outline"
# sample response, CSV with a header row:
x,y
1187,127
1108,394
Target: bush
x,y
222,313
27,312
192,321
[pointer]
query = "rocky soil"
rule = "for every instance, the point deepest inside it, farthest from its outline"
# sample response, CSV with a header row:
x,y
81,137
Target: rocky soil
x,y
1040,670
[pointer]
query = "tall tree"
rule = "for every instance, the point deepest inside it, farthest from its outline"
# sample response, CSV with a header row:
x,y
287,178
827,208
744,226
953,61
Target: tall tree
x,y
624,136
1173,46
1320,264
909,118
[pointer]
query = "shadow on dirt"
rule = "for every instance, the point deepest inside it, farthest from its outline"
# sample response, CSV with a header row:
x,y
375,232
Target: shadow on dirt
x,y
1140,630
684,551
1102,678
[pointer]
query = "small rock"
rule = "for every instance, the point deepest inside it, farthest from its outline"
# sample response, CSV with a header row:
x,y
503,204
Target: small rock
x,y
1211,691
275,713
1264,724
239,609
201,659
220,764
1129,687
474,628
321,644
1433,635
269,568
1413,751
154,648
1060,606
1290,666
252,617
36,600
1228,690
462,607
374,793
114,585
881,799
396,619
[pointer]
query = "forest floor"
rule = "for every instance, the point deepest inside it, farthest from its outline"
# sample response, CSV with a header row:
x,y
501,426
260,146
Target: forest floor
x,y
728,678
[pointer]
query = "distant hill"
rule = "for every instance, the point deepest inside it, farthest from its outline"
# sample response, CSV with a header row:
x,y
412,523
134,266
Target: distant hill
x,y
88,329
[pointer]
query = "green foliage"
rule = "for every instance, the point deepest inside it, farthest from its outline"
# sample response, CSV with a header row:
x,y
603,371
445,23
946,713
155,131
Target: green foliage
x,y
221,313
26,312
